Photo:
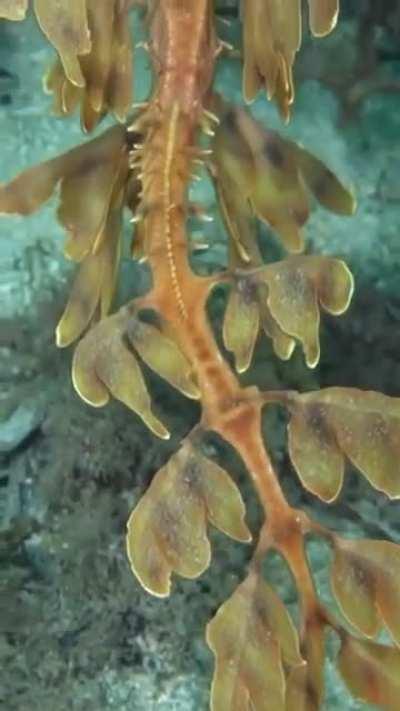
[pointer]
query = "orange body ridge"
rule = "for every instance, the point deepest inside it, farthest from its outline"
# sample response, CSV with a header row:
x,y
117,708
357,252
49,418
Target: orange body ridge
x,y
184,48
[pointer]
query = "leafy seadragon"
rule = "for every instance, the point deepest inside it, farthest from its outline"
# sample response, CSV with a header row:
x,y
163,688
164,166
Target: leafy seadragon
x,y
145,163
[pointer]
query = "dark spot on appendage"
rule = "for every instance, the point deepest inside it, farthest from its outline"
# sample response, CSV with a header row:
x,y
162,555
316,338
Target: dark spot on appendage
x,y
323,184
88,164
192,472
233,138
312,695
247,289
299,216
230,120
318,423
134,332
261,612
273,152
362,575
168,529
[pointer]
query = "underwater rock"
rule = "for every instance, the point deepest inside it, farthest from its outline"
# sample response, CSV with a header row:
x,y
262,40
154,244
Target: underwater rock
x,y
24,420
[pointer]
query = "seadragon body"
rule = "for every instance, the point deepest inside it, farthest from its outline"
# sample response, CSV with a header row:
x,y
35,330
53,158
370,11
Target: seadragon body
x,y
184,60
263,661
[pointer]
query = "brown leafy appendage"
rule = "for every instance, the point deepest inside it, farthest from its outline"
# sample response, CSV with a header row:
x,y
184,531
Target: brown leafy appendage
x,y
65,25
295,288
329,426
366,584
107,69
259,173
272,37
167,531
371,671
92,179
305,684
275,176
13,9
94,67
105,363
163,356
255,643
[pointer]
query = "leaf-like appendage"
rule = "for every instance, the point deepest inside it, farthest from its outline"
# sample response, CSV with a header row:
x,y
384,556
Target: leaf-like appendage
x,y
111,247
323,16
335,423
66,96
366,583
296,286
95,64
241,324
31,188
232,148
324,184
104,365
371,671
13,9
86,192
94,284
88,174
246,309
315,455
305,684
257,166
283,344
120,78
238,219
163,356
262,168
271,39
107,69
279,196
252,637
65,25
234,170
247,302
167,531
300,690
83,300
